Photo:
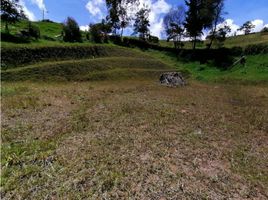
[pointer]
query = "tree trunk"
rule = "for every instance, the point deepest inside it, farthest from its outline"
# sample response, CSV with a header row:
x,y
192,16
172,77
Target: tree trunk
x,y
194,43
122,32
6,27
211,40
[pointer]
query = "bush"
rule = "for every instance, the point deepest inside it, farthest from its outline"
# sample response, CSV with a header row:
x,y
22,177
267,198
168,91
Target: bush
x,y
116,39
237,51
99,32
96,33
71,31
14,38
133,42
153,39
256,49
34,31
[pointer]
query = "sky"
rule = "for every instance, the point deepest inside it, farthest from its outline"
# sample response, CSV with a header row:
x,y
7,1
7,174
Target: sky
x,y
92,11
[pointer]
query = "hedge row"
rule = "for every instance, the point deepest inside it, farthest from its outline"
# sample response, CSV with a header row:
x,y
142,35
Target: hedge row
x,y
13,57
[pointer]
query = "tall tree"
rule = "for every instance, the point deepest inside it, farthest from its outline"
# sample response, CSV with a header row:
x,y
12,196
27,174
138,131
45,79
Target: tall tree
x,y
247,27
113,14
124,18
118,13
11,12
216,10
99,32
141,24
219,34
71,31
173,24
194,23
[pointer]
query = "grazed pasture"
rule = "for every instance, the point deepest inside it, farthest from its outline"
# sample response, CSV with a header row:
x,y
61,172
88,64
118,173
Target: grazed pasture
x,y
133,139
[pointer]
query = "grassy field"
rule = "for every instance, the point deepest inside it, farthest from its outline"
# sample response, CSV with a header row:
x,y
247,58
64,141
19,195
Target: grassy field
x,y
254,71
46,28
104,128
54,29
237,41
134,139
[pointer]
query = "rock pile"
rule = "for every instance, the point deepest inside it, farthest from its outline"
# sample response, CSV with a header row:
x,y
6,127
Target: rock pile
x,y
173,79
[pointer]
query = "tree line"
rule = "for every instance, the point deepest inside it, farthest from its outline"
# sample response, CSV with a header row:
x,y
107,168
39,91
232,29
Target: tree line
x,y
188,21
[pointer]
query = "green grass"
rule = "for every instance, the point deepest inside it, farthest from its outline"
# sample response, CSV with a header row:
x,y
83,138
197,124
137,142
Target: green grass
x,y
234,41
46,28
88,69
255,70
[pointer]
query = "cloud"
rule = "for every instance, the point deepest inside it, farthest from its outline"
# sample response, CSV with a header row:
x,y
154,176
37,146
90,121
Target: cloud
x,y
157,10
97,8
259,25
26,11
40,4
84,28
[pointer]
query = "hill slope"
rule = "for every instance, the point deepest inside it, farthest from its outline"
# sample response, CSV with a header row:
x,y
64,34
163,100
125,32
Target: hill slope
x,y
50,29
82,64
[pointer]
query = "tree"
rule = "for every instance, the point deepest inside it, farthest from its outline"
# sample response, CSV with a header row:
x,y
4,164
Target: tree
x,y
246,27
71,31
141,24
33,31
118,15
220,34
215,17
124,18
99,32
173,24
113,16
194,22
264,30
11,12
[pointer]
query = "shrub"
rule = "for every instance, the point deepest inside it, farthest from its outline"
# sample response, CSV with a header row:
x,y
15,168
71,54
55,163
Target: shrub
x,y
256,49
14,38
71,31
236,51
116,39
99,32
33,31
153,39
133,42
96,34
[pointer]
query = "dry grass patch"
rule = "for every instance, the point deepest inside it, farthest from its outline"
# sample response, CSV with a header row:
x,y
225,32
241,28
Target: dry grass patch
x,y
135,140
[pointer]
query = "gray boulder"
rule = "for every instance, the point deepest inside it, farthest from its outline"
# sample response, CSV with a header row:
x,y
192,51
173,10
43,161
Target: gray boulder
x,y
173,79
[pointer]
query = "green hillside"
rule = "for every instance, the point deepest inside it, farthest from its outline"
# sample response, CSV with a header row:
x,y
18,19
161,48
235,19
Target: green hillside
x,y
234,41
50,29
53,29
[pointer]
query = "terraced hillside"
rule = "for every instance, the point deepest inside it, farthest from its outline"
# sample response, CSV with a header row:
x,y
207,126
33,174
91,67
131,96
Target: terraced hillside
x,y
103,63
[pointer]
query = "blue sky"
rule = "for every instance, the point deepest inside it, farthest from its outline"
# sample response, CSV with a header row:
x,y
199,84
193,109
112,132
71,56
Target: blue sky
x,y
91,11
